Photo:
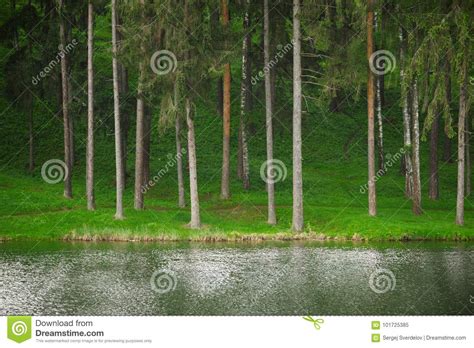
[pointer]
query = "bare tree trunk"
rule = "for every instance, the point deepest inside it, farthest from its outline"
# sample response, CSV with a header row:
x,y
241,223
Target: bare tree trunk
x,y
123,90
416,151
434,176
468,157
90,109
146,145
408,169
447,151
225,189
269,116
31,156
463,108
195,222
244,102
118,133
380,124
65,102
179,164
370,109
298,222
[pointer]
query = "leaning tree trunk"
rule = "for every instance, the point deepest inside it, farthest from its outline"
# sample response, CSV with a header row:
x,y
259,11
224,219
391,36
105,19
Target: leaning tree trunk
x,y
416,151
65,102
298,222
269,115
408,170
380,124
179,164
370,111
118,134
225,189
463,107
193,184
90,109
244,103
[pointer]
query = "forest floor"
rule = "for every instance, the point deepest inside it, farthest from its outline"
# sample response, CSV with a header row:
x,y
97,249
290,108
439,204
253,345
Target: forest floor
x,y
334,171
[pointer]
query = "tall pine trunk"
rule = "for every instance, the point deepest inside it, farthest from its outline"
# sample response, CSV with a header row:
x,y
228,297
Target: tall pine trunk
x,y
195,222
269,115
380,150
225,183
463,107
179,163
434,176
408,170
370,110
118,134
244,103
90,109
416,150
298,222
65,103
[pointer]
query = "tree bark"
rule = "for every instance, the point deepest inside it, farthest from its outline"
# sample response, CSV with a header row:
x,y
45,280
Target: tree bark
x,y
269,116
408,167
90,109
447,151
195,222
225,189
179,164
244,102
140,134
463,107
370,109
434,176
380,125
298,222
146,145
65,103
125,119
416,151
468,157
118,134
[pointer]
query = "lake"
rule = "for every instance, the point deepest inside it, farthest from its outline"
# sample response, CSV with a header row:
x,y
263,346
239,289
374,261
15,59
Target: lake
x,y
265,278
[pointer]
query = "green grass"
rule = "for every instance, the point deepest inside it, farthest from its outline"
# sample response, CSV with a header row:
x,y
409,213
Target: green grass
x,y
334,206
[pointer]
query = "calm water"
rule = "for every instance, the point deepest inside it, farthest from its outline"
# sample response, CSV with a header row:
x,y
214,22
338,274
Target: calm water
x,y
280,278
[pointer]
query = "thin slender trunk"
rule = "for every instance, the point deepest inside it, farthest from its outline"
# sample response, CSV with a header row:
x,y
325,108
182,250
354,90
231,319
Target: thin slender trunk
x,y
408,168
370,109
195,222
244,101
447,151
463,107
90,110
65,103
298,222
123,90
31,156
269,115
416,151
118,134
225,189
434,176
468,157
380,124
179,164
146,145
